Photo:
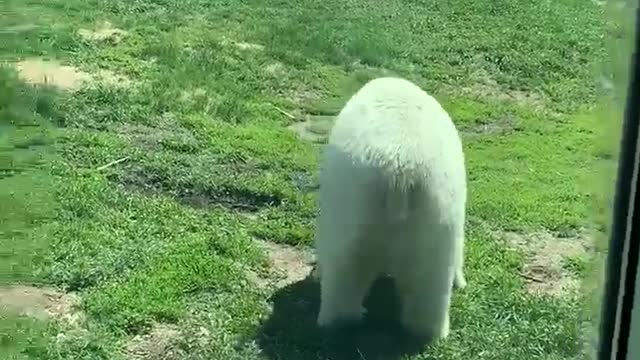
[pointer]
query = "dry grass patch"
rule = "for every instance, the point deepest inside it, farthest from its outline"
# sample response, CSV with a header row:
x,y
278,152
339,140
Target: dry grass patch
x,y
165,134
39,71
161,343
288,264
544,269
104,32
110,78
249,46
294,91
314,128
302,94
242,45
50,72
192,95
40,303
276,69
500,126
492,90
485,87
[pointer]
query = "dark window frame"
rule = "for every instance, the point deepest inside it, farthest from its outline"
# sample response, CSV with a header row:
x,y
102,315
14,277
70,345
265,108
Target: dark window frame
x,y
624,242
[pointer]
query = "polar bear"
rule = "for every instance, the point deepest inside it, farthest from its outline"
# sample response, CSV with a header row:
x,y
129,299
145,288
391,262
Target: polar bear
x,y
392,201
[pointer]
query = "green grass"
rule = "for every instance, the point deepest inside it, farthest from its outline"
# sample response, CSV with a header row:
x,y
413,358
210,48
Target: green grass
x,y
165,236
25,185
26,207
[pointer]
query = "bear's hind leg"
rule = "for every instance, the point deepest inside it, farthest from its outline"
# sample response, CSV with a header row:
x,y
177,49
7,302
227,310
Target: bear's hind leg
x,y
344,281
425,281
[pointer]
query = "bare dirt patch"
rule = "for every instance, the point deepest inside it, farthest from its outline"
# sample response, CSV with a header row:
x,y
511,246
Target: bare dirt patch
x,y
161,343
38,71
544,271
42,72
288,264
104,32
40,303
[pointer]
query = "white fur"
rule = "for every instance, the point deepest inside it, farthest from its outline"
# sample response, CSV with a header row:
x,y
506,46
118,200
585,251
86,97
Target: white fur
x,y
392,201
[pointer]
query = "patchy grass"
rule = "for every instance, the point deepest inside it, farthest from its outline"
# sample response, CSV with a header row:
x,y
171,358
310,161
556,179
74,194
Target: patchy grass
x,y
180,207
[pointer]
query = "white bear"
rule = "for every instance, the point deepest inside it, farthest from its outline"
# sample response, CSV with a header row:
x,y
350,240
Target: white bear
x,y
392,201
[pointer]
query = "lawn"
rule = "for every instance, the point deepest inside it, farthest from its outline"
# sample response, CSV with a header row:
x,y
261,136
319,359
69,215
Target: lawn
x,y
157,186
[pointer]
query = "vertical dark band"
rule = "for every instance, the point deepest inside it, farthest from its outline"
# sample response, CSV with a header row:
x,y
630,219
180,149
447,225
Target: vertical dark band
x,y
621,264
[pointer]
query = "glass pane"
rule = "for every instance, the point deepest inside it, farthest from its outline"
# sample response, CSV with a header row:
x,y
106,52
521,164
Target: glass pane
x,y
160,176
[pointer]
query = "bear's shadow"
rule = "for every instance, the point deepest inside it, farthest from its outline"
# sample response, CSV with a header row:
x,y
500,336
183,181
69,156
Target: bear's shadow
x,y
291,332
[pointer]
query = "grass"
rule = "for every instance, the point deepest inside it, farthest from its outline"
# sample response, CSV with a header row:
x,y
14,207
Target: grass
x,y
166,236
